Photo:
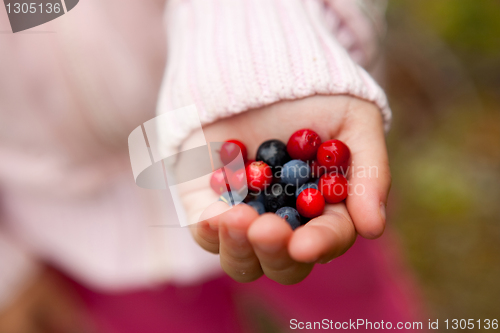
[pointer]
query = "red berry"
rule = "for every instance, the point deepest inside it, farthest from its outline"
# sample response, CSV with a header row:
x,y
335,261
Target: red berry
x,y
249,162
259,176
334,155
218,183
303,145
310,203
229,151
334,187
317,170
238,179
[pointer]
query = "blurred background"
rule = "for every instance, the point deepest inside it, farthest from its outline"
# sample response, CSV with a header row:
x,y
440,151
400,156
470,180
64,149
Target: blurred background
x,y
442,76
443,79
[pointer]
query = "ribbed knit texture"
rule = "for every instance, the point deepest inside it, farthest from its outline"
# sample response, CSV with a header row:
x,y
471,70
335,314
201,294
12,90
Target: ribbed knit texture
x,y
229,56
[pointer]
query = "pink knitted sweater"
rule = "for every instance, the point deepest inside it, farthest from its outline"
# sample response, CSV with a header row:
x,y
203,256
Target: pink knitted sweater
x,y
72,90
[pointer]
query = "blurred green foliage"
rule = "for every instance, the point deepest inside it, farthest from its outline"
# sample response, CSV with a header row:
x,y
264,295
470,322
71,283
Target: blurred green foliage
x,y
443,81
467,25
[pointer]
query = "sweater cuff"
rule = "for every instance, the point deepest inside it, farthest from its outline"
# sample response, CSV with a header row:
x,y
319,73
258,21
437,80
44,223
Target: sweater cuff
x,y
229,56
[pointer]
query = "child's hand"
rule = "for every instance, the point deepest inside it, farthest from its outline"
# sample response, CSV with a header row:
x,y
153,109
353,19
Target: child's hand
x,y
251,245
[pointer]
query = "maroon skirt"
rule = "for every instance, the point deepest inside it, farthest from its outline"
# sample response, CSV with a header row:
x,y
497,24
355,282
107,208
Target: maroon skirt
x,y
368,284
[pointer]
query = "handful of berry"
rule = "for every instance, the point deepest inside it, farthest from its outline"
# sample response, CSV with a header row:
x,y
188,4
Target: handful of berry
x,y
293,180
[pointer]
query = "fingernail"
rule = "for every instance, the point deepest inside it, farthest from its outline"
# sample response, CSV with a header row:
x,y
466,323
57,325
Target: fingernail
x,y
237,234
325,260
382,210
269,248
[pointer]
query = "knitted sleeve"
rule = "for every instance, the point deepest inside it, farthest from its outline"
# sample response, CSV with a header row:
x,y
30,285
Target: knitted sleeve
x,y
229,56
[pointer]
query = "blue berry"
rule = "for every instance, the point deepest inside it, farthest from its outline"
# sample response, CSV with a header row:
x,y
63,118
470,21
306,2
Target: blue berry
x,y
260,197
273,153
276,197
237,198
296,173
303,187
258,206
290,215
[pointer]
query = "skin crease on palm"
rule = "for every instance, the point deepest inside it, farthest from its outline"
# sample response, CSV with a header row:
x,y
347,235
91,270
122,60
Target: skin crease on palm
x,y
251,245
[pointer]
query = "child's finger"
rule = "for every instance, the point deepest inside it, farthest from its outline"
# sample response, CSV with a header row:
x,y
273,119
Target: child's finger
x,y
369,175
325,237
269,236
237,257
205,236
206,232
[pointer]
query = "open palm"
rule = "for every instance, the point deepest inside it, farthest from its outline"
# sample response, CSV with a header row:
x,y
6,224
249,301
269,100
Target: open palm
x,y
251,245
